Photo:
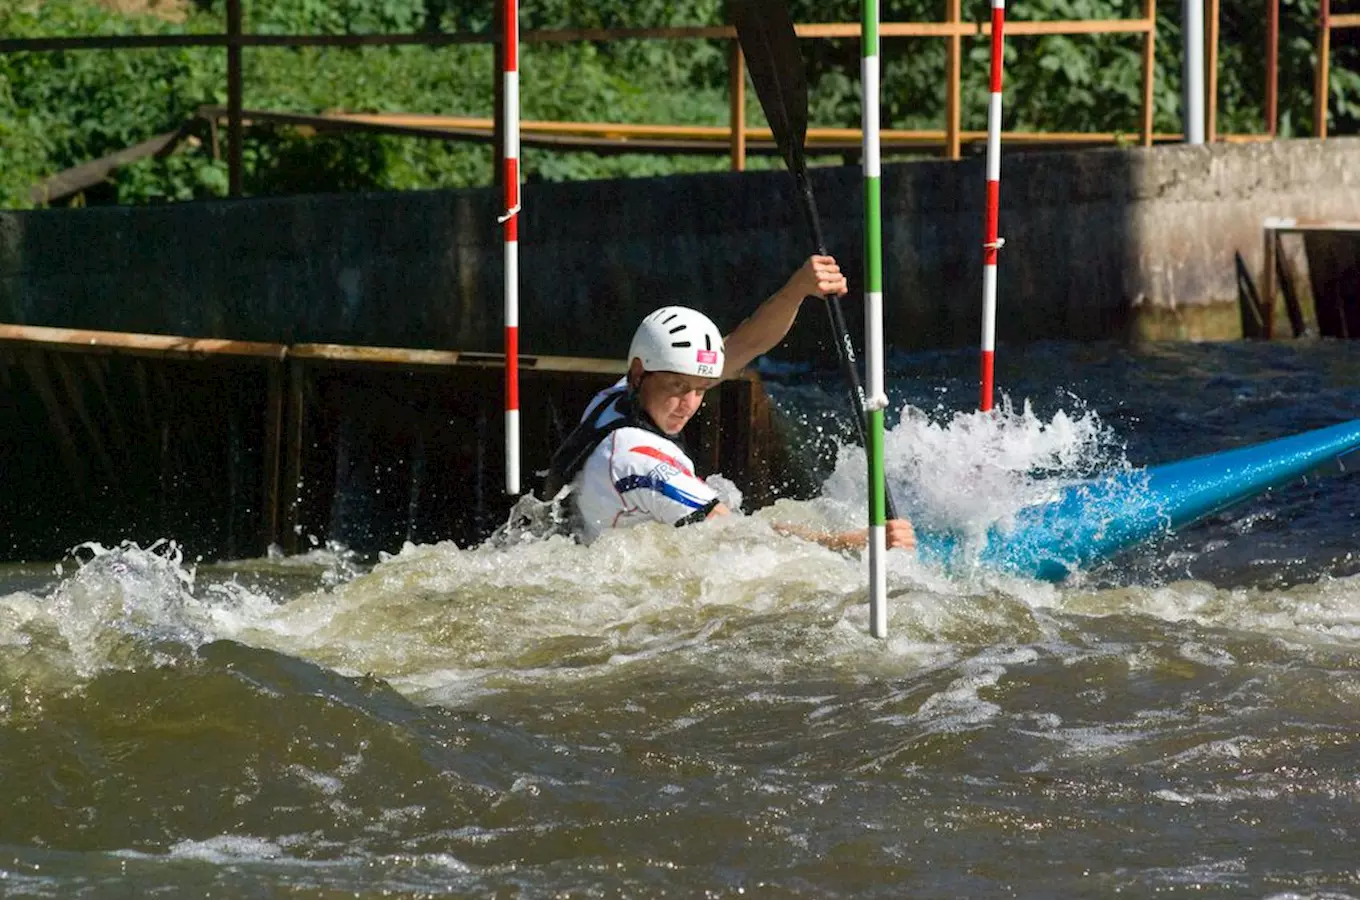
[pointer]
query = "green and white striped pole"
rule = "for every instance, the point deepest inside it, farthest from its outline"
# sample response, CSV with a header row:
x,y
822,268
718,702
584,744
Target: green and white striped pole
x,y
875,400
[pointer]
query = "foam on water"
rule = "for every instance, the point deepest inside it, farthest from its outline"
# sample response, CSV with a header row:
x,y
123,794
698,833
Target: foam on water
x,y
444,622
1324,611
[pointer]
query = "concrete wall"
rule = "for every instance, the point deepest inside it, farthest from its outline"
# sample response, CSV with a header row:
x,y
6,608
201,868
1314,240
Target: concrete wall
x,y
1100,244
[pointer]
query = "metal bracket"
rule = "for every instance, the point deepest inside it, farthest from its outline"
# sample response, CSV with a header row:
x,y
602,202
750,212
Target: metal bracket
x,y
875,403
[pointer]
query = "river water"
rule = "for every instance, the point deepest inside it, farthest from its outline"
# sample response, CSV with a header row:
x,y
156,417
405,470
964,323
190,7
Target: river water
x,y
701,713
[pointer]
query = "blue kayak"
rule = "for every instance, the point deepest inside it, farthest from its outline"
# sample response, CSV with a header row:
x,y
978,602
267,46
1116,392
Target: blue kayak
x,y
1092,520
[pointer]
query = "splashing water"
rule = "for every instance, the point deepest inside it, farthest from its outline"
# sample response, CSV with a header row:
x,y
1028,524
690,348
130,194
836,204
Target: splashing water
x,y
422,617
968,471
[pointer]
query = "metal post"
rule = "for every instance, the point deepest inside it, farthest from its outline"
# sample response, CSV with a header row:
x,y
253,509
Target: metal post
x,y
953,83
234,90
1211,72
736,93
498,91
1268,282
1192,87
1272,67
1149,68
1322,80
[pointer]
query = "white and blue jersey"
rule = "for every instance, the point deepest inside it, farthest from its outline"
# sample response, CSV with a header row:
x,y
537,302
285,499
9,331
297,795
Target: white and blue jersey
x,y
633,476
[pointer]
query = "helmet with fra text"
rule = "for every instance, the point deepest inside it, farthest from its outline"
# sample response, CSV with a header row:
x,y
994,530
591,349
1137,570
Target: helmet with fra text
x,y
678,339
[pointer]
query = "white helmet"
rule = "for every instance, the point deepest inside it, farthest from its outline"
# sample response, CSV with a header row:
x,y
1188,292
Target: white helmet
x,y
678,339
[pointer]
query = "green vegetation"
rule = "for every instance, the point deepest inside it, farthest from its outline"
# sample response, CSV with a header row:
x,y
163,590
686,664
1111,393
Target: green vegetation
x,y
61,109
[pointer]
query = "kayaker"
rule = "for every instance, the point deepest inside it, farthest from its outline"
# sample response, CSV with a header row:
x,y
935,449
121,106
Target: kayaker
x,y
626,462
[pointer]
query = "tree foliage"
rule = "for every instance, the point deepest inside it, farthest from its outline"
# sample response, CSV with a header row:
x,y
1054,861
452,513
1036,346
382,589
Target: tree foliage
x,y
61,109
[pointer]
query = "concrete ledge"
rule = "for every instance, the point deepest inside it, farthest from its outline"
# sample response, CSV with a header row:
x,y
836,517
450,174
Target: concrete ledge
x,y
1101,244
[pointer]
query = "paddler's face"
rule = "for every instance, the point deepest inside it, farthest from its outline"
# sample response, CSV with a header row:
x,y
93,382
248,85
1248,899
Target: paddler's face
x,y
672,399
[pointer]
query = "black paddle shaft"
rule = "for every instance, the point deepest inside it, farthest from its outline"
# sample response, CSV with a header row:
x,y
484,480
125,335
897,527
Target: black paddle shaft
x,y
770,45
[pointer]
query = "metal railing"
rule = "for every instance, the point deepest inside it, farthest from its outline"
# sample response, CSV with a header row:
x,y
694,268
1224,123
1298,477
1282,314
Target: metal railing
x,y
737,139
1327,23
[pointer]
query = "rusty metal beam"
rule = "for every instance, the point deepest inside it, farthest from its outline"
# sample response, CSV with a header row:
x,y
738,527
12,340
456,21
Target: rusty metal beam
x,y
498,110
736,106
1149,71
1322,69
557,36
219,41
1144,25
484,135
1272,66
953,88
235,100
628,138
1211,41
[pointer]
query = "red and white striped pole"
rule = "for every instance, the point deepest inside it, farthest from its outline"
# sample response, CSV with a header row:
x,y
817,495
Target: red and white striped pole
x,y
511,222
992,243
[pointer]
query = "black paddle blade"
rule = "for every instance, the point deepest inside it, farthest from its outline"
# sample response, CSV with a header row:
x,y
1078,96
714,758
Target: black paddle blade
x,y
770,45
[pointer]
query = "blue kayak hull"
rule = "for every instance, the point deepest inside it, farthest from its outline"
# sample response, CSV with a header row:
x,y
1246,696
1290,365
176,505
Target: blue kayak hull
x,y
1094,520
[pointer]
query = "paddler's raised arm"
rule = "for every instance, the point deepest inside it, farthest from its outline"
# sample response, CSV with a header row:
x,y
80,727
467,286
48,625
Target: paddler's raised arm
x,y
820,276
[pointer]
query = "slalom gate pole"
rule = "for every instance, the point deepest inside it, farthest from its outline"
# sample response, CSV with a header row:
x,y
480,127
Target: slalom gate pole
x,y
769,42
875,400
510,219
992,244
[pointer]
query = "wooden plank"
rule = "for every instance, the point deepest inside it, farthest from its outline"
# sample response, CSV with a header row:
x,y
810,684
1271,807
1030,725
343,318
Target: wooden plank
x,y
85,341
41,383
75,401
95,372
69,182
1300,225
349,353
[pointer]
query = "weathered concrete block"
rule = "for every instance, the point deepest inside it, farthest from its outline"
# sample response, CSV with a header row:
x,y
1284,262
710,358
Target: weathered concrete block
x,y
1101,244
